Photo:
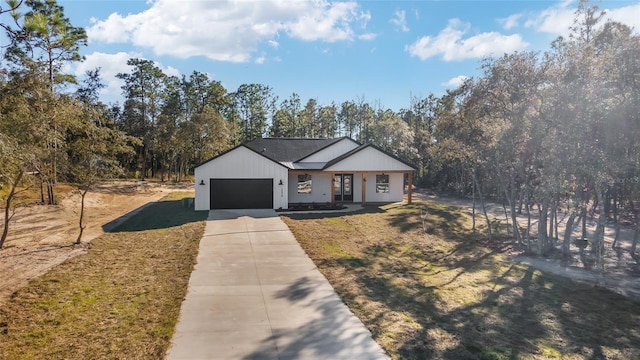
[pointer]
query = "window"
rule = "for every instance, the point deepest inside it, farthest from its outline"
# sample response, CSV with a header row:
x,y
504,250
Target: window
x,y
382,183
304,184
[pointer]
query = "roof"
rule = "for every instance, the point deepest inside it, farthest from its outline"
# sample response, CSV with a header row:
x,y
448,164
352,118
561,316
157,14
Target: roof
x,y
284,150
360,148
288,151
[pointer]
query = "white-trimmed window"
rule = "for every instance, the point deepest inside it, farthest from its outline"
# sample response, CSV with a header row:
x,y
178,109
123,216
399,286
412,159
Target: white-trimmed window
x,y
382,183
304,184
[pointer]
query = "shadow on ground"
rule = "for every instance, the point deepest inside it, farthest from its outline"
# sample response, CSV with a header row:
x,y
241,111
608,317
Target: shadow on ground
x,y
335,335
366,209
431,289
156,215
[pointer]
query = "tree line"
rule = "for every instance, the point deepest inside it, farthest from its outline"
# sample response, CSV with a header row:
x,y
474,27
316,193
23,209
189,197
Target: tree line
x,y
183,121
558,132
52,126
553,132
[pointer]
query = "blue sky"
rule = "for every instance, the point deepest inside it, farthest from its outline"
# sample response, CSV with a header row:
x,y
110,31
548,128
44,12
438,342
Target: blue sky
x,y
383,52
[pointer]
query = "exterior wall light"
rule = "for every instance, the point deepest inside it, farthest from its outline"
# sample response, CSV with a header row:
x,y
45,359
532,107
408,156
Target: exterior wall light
x,y
201,182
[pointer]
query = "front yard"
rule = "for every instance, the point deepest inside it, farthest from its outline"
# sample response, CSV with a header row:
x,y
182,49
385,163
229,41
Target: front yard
x,y
426,287
120,300
434,290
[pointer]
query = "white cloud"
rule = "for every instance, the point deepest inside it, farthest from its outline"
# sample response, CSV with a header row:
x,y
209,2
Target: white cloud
x,y
510,22
327,22
228,30
557,19
455,82
260,60
110,65
400,20
368,36
628,15
274,44
169,70
113,29
364,18
451,46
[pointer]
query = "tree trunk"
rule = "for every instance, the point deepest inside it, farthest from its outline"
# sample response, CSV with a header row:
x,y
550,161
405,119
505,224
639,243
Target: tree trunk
x,y
636,236
7,208
552,215
615,205
83,194
542,226
511,197
521,201
484,208
473,209
555,223
607,203
584,221
506,217
598,236
42,191
617,235
143,171
566,242
51,198
527,235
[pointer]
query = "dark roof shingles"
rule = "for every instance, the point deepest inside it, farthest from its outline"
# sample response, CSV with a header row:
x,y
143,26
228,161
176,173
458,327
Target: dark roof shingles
x,y
288,149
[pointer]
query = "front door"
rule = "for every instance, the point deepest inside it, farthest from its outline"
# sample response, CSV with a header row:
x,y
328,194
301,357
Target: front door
x,y
343,187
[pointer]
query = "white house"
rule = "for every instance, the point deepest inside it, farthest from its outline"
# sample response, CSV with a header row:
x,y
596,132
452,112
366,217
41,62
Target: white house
x,y
272,173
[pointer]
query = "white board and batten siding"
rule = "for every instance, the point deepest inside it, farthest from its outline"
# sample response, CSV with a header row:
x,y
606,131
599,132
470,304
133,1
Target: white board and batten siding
x,y
333,151
240,163
369,159
396,188
320,188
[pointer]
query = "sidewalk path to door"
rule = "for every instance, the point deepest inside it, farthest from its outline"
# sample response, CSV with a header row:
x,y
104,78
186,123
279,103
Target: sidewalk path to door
x,y
255,294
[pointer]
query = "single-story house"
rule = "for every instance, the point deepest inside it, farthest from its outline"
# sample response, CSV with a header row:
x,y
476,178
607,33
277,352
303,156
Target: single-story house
x,y
272,173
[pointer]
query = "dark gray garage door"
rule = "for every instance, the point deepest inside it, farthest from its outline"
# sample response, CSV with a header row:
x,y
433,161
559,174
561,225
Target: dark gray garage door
x,y
241,193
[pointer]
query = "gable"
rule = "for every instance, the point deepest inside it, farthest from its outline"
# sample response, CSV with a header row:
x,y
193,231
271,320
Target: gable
x,y
368,158
240,159
331,152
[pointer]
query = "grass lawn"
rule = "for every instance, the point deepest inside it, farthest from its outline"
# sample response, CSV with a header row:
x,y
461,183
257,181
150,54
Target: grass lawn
x,y
120,300
434,290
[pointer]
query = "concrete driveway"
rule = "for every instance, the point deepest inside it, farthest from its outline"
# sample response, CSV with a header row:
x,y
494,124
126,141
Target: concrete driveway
x,y
255,294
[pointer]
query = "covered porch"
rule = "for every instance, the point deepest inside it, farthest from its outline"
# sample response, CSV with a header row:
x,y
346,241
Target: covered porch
x,y
363,187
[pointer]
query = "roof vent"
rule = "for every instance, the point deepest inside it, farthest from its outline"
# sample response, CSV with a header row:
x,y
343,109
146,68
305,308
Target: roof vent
x,y
264,149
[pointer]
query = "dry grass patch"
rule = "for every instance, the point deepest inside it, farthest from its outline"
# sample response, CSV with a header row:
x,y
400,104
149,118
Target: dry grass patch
x,y
121,300
430,289
31,195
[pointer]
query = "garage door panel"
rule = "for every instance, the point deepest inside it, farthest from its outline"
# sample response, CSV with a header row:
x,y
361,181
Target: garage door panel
x,y
241,193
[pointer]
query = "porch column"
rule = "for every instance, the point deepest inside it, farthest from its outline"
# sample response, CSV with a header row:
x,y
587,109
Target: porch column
x,y
410,190
333,188
364,188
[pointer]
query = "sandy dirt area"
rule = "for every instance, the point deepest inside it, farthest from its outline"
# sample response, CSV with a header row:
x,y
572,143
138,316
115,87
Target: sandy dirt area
x,y
43,236
621,271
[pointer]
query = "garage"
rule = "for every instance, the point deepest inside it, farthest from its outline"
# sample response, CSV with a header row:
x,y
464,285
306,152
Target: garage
x,y
241,193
